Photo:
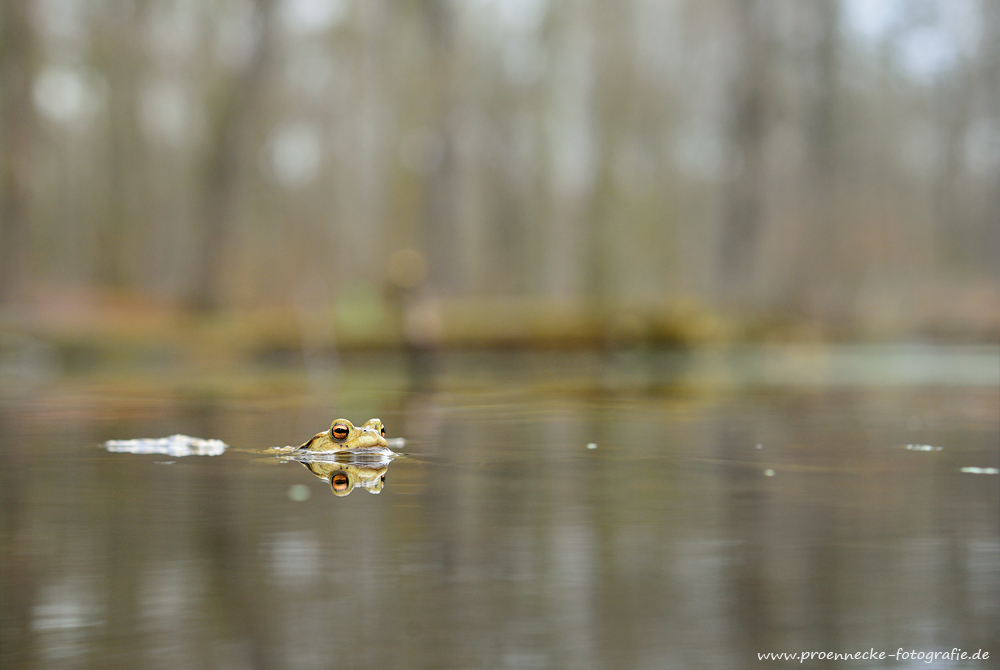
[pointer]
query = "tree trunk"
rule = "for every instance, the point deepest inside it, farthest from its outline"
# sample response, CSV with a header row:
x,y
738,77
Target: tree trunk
x,y
745,201
18,121
230,117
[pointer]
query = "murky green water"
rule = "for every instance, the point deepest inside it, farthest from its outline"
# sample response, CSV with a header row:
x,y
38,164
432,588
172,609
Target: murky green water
x,y
709,523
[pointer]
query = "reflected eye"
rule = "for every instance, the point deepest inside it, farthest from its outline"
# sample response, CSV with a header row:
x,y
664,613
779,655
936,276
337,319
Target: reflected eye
x,y
382,479
339,482
339,431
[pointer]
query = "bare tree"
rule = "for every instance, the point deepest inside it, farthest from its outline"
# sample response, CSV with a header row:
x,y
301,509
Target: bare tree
x,y
231,111
991,84
117,51
438,220
18,119
745,199
817,257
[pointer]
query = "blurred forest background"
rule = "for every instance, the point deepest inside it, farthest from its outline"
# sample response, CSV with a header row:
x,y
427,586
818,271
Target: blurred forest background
x,y
371,173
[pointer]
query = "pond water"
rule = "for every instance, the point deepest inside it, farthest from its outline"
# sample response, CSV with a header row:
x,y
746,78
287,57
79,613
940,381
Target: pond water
x,y
547,511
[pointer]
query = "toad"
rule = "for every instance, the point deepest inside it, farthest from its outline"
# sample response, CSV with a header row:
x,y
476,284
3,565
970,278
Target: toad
x,y
345,436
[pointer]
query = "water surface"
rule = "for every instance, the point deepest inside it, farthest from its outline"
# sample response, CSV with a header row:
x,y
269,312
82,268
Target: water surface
x,y
590,517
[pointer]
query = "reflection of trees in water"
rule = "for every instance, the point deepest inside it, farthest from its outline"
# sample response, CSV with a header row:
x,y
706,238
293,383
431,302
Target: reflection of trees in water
x,y
504,537
239,604
19,586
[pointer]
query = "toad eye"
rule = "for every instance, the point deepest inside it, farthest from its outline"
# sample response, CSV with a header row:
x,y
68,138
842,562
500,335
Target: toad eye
x,y
339,482
382,430
339,432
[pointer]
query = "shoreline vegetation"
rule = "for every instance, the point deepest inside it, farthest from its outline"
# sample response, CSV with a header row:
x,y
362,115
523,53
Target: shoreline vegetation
x,y
100,329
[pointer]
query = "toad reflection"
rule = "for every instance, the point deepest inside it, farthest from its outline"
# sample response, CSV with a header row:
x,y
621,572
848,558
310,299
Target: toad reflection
x,y
346,475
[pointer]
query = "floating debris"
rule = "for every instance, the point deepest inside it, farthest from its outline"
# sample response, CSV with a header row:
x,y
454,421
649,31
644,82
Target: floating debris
x,y
981,471
177,446
760,446
592,445
923,447
769,472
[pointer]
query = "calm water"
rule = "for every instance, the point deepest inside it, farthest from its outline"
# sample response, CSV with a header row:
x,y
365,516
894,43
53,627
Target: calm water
x,y
711,522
